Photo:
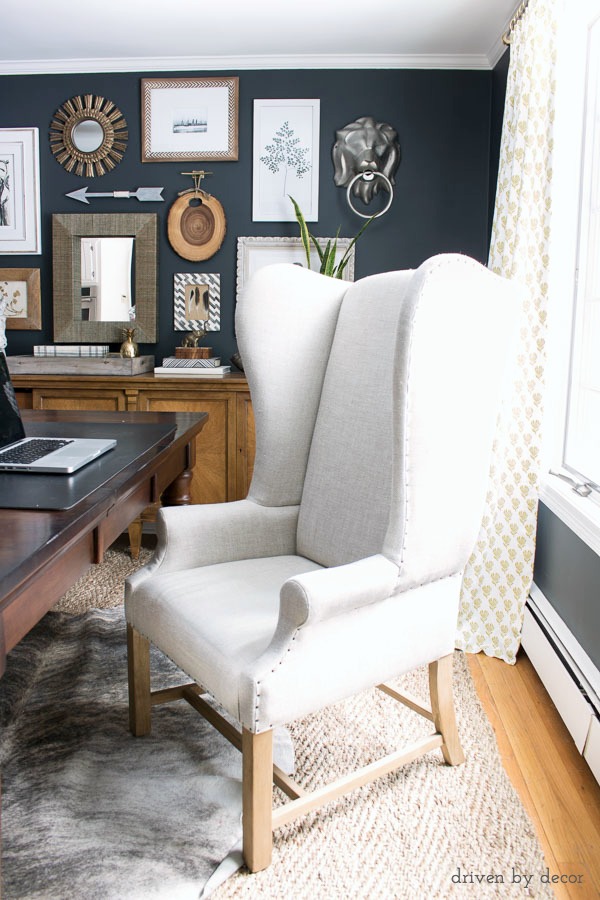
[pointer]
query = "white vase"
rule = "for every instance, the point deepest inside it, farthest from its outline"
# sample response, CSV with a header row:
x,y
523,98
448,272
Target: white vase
x,y
3,334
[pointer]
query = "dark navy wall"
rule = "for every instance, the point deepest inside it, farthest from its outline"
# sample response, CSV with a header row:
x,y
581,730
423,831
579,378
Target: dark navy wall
x,y
442,193
499,78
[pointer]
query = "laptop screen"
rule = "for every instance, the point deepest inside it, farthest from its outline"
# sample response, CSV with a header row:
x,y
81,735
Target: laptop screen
x,y
11,426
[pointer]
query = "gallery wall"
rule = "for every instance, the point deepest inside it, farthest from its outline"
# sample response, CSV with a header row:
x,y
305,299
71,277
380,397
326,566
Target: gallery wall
x,y
446,123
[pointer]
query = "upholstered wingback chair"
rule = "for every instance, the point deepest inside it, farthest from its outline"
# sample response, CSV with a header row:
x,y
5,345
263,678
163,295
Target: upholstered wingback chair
x,y
375,406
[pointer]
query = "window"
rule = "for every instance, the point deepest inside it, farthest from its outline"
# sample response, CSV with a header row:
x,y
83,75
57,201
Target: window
x,y
572,416
582,437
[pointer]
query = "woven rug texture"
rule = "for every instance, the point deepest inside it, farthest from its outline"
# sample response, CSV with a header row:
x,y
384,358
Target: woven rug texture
x,y
427,831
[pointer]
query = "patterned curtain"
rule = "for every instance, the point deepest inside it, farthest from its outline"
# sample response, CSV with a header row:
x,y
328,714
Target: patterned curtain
x,y
499,574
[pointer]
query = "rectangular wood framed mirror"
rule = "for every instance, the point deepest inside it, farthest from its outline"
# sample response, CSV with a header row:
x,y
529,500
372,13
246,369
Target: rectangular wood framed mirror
x,y
104,276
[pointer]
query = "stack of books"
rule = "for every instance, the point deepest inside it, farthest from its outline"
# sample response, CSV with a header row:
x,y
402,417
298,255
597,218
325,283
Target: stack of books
x,y
70,349
176,367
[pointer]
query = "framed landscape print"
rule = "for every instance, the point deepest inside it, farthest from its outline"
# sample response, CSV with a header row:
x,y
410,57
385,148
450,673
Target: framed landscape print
x,y
286,160
186,119
20,220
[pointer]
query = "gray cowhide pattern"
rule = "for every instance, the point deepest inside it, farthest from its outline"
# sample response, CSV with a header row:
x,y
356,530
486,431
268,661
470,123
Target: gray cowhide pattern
x,y
88,810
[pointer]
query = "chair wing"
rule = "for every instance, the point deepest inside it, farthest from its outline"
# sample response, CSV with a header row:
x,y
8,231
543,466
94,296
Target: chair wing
x,y
285,323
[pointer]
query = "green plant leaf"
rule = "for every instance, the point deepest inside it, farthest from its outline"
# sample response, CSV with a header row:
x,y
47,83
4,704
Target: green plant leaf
x,y
331,266
304,235
318,248
327,255
326,260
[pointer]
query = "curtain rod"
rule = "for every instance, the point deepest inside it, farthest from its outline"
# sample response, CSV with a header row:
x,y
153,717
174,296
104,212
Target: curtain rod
x,y
519,13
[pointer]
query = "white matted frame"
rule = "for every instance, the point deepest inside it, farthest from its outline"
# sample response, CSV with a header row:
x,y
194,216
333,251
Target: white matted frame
x,y
286,159
189,119
196,301
255,252
20,217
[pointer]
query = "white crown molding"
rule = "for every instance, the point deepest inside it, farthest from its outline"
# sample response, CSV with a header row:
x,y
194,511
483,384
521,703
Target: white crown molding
x,y
496,53
222,63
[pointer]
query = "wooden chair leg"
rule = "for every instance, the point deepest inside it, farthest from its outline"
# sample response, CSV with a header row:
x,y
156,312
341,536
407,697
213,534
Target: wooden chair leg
x,y
442,707
257,798
138,672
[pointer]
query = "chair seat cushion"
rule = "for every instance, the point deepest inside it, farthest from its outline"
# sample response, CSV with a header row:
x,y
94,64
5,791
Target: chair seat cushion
x,y
214,620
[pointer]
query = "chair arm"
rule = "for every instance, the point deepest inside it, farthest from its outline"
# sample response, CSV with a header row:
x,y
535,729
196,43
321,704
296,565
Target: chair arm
x,y
314,596
206,534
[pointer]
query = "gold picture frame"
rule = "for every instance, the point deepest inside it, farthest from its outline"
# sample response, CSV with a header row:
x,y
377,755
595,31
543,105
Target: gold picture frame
x,y
187,119
21,287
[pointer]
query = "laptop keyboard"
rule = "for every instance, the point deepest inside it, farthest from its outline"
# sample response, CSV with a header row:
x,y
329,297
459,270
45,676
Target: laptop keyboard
x,y
32,450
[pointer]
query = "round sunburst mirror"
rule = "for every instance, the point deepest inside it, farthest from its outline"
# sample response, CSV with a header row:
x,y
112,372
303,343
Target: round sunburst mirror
x,y
88,135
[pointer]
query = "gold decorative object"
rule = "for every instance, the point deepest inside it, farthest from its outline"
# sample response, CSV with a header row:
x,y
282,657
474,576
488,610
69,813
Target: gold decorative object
x,y
193,339
129,348
88,135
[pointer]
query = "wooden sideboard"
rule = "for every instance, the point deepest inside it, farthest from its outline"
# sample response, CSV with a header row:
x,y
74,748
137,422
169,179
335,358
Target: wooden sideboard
x,y
224,448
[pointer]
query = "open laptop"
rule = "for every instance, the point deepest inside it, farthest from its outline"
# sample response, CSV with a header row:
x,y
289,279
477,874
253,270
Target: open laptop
x,y
39,454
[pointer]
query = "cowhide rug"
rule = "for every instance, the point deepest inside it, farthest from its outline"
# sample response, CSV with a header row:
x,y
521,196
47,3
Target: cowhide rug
x,y
88,810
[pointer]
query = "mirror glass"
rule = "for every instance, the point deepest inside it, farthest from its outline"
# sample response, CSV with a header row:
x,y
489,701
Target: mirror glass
x,y
88,135
106,279
104,276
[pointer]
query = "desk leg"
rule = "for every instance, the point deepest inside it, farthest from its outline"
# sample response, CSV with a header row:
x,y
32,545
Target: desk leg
x,y
178,493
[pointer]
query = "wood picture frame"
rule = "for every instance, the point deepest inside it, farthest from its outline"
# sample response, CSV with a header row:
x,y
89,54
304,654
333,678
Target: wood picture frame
x,y
20,207
255,252
20,294
185,119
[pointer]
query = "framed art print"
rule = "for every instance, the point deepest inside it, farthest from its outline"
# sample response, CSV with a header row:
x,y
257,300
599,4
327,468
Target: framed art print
x,y
255,252
186,119
286,160
20,220
20,299
196,301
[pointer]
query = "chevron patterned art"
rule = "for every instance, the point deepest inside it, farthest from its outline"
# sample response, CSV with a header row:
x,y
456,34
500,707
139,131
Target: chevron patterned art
x,y
196,301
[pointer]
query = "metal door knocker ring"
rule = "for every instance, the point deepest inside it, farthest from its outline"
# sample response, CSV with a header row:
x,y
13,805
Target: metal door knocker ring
x,y
369,176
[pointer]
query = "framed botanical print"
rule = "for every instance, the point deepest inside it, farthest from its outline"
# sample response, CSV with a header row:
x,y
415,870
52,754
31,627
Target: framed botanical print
x,y
286,160
20,299
20,219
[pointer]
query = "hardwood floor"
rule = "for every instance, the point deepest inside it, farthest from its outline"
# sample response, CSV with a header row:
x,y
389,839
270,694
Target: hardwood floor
x,y
554,782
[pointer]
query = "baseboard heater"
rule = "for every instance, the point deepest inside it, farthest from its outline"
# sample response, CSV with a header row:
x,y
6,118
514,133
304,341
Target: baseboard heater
x,y
567,672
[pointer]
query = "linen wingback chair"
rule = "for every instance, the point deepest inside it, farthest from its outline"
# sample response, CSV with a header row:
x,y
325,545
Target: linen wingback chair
x,y
375,405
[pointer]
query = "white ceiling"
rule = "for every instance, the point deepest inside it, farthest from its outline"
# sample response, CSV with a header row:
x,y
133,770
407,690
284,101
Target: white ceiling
x,y
135,35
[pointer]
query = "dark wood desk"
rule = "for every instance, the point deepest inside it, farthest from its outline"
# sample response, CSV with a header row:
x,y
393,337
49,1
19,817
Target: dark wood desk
x,y
43,552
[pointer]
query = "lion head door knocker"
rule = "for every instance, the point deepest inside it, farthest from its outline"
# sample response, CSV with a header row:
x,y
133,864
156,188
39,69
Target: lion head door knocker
x,y
366,155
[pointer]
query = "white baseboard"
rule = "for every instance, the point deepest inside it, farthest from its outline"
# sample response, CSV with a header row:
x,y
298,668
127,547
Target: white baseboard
x,y
568,674
592,748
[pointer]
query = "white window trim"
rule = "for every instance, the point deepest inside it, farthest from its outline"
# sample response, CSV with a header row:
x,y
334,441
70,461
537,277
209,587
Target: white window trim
x,y
581,514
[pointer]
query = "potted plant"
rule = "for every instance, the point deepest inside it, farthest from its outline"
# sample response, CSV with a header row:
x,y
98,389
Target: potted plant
x,y
327,254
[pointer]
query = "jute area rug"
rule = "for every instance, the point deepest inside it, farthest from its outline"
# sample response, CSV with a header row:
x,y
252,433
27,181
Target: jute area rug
x,y
133,818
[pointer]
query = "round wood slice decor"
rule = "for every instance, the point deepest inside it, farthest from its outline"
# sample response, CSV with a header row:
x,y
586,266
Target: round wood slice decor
x,y
196,226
